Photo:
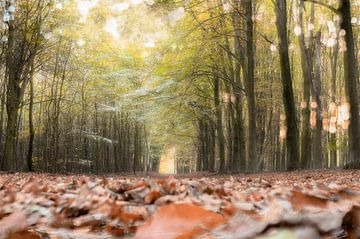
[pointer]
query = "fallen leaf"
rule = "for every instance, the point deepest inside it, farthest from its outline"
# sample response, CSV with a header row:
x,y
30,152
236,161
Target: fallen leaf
x,y
300,200
152,197
179,221
24,235
16,222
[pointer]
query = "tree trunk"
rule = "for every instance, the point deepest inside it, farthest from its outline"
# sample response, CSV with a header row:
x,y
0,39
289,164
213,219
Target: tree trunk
x,y
31,123
219,123
332,136
212,146
318,154
250,86
305,153
12,105
239,134
286,79
205,161
2,117
350,75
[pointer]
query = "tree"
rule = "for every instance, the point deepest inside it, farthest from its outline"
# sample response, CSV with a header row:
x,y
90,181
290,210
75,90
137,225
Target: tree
x,y
219,124
249,85
87,91
23,45
306,64
286,79
351,88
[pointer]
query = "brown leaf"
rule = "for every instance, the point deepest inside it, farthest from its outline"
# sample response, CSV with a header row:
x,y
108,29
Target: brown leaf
x,y
16,222
115,230
179,221
229,210
32,186
130,217
152,197
300,200
351,223
24,235
59,221
118,187
88,220
75,211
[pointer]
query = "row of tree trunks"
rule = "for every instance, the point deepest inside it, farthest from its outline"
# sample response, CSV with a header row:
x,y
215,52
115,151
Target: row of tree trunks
x,y
206,148
59,139
114,144
301,142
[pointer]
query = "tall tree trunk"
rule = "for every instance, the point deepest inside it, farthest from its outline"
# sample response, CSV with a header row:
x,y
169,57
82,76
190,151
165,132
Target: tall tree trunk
x,y
278,152
31,123
318,151
12,104
350,75
230,112
199,152
250,86
205,160
212,146
2,117
147,150
18,69
286,79
332,136
239,134
219,123
305,144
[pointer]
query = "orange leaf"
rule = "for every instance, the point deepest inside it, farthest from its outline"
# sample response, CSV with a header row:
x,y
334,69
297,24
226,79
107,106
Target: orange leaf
x,y
115,231
179,221
300,200
152,197
25,235
129,218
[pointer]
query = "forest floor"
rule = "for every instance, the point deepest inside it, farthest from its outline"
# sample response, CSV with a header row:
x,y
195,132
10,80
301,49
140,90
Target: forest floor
x,y
306,205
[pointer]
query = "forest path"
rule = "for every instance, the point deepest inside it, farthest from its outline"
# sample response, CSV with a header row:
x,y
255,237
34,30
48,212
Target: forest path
x,y
167,161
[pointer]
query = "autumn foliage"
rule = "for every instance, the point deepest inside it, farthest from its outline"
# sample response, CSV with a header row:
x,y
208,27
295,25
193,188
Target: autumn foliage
x,y
315,204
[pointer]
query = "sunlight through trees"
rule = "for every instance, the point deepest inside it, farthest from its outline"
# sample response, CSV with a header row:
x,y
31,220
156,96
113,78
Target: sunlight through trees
x,y
234,86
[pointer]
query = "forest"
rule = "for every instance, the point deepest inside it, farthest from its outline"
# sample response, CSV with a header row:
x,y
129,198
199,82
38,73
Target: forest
x,y
117,116
229,86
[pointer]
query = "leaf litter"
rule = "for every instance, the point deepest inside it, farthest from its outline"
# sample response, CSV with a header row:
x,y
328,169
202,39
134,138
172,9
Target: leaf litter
x,y
310,204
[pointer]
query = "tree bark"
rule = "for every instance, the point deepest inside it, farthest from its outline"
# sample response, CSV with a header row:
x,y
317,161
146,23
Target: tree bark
x,y
219,123
212,145
287,89
12,104
305,146
31,123
318,150
332,136
250,86
350,75
239,134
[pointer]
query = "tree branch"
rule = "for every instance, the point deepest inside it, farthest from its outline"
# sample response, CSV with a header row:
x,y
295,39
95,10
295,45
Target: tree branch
x,y
324,5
